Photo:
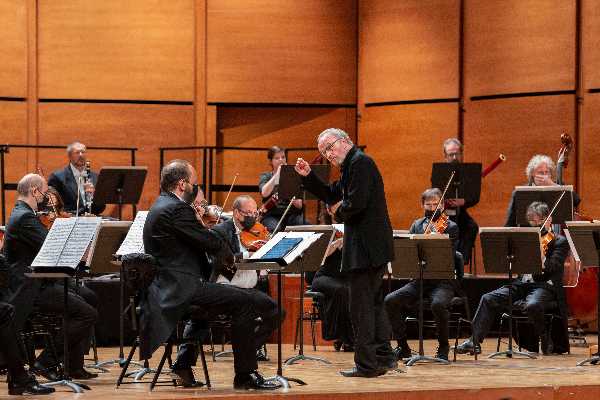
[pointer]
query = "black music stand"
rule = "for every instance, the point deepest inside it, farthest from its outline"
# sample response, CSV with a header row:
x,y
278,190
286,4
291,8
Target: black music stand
x,y
419,256
525,195
310,260
466,183
120,185
508,250
290,182
586,238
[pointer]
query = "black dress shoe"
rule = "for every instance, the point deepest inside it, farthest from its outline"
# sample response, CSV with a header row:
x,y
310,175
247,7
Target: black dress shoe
x,y
28,386
402,352
468,347
185,377
82,374
337,345
261,355
254,381
348,348
442,351
357,373
50,373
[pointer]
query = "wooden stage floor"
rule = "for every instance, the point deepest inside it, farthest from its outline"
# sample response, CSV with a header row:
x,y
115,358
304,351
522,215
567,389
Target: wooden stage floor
x,y
548,377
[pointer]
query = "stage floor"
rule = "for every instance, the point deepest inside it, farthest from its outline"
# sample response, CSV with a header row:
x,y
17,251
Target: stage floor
x,y
548,377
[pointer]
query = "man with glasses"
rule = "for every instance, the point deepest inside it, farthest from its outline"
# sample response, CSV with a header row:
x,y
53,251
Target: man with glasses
x,y
358,200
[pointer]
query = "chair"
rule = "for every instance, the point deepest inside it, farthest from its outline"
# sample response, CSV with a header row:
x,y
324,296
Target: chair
x,y
46,325
313,315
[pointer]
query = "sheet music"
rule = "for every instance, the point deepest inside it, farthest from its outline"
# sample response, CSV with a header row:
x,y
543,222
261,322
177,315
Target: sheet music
x,y
134,241
67,242
308,238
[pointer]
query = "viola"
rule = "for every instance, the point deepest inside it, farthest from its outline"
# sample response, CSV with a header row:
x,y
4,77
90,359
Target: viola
x,y
255,237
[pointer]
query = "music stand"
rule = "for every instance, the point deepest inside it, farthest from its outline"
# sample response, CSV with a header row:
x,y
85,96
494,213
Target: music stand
x,y
290,182
586,238
311,260
465,185
280,263
525,195
511,250
419,256
120,185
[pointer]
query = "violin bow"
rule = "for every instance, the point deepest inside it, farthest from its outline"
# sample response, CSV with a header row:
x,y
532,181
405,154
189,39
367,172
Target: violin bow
x,y
227,197
440,202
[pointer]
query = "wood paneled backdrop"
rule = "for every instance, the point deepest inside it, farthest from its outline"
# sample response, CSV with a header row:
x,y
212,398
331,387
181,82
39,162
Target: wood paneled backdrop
x,y
401,76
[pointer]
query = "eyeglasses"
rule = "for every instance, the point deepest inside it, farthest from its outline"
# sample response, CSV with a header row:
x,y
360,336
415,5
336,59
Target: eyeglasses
x,y
329,147
248,213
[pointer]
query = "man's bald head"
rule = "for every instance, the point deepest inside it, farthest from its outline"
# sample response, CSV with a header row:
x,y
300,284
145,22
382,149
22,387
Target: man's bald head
x,y
29,183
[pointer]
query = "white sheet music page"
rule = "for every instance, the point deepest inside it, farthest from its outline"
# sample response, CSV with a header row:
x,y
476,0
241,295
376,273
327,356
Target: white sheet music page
x,y
134,241
308,238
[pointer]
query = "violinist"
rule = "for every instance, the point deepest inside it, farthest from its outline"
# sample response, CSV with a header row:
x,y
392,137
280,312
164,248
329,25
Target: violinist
x,y
400,302
245,213
52,208
457,208
268,185
534,295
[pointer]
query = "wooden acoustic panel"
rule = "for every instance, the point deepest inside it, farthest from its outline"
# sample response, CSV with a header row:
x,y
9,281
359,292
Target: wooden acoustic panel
x,y
13,48
591,44
267,126
518,46
589,150
146,127
519,128
408,50
136,50
282,51
404,141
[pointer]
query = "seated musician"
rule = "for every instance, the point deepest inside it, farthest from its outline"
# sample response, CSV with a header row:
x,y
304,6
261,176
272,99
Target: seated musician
x,y
467,227
25,235
66,181
244,218
178,241
400,302
540,171
268,185
533,294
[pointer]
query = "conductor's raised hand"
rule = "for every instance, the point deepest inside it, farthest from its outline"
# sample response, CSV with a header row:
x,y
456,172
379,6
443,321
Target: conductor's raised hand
x,y
302,167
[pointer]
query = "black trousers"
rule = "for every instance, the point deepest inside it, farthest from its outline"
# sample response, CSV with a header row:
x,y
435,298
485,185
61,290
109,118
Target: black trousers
x,y
10,352
335,312
244,306
467,234
82,316
372,331
537,298
403,301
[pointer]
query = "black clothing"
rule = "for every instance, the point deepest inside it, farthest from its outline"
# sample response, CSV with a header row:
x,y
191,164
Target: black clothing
x,y
535,297
64,182
10,355
467,232
271,218
511,213
178,242
401,302
368,247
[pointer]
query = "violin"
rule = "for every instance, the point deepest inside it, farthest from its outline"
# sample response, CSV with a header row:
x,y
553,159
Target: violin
x,y
47,218
210,214
545,241
439,225
255,237
268,205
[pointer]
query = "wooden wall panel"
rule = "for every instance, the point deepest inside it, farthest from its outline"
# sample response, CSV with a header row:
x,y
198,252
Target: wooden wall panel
x,y
408,50
282,51
267,126
519,46
404,140
13,48
591,43
518,128
590,154
146,127
139,49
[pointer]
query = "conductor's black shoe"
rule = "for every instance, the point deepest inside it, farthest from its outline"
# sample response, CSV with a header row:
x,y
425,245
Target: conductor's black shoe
x,y
28,386
185,377
82,374
402,352
357,373
348,348
337,345
261,355
442,351
253,381
50,373
468,347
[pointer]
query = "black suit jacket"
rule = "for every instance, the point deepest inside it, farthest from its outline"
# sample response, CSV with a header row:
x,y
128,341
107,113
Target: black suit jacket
x,y
64,182
178,242
227,230
368,236
24,237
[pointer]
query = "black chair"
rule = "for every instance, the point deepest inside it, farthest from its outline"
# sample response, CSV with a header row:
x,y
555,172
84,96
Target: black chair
x,y
313,315
45,325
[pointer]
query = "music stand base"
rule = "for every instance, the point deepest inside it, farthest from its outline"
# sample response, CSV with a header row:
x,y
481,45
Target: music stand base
x,y
119,361
511,353
138,374
285,381
76,387
592,360
225,353
415,359
301,357
97,366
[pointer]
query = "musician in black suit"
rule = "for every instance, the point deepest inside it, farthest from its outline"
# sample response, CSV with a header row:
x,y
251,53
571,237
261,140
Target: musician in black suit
x,y
244,218
25,235
358,200
533,294
173,235
65,181
440,292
